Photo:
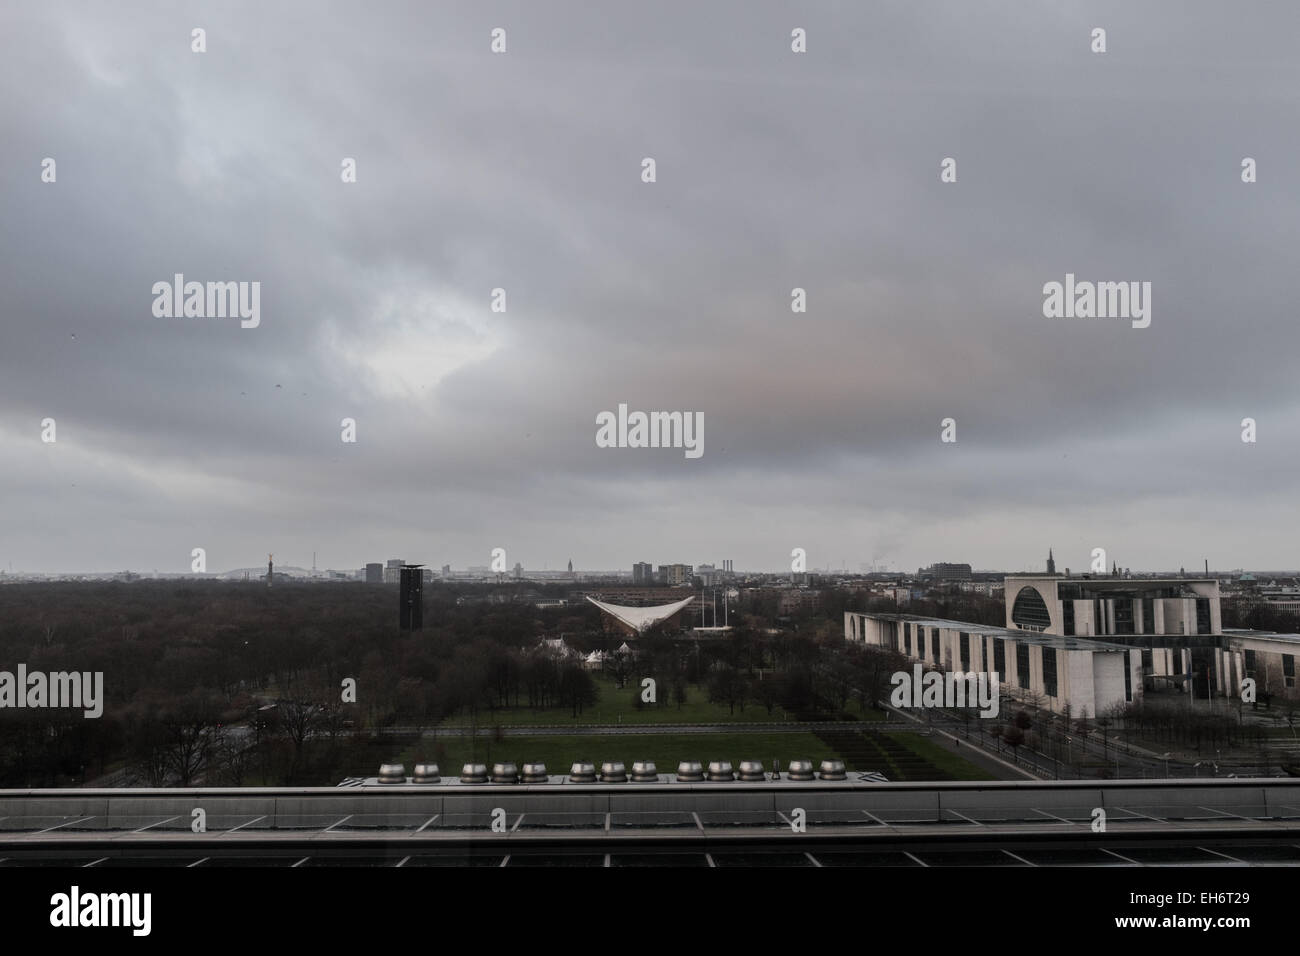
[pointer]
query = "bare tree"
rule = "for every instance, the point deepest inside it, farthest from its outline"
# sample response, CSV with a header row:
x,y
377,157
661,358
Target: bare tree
x,y
298,719
619,666
1013,737
233,756
190,734
728,686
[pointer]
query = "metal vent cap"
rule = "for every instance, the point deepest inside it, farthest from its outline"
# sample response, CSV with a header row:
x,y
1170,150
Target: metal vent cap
x,y
582,772
800,770
833,770
690,771
721,770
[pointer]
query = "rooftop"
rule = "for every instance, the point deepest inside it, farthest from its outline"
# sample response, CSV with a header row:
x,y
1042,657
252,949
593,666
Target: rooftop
x,y
641,617
1267,635
1108,579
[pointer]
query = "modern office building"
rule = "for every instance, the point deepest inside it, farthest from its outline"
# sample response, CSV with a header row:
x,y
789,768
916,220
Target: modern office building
x,y
643,573
944,571
393,571
899,595
1085,675
675,575
1091,643
411,598
374,573
1099,606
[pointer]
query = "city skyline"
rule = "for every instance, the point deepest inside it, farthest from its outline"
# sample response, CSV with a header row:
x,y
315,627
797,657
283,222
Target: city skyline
x,y
849,569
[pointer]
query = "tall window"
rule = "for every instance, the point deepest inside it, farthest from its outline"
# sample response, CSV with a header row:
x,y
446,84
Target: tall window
x,y
1000,657
1124,615
1128,677
1067,611
1288,669
1250,663
965,651
1148,616
1049,671
1022,666
934,644
1202,615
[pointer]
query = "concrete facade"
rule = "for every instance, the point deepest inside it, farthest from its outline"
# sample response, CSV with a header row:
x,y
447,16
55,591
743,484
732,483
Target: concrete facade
x,y
1085,676
1109,606
1109,640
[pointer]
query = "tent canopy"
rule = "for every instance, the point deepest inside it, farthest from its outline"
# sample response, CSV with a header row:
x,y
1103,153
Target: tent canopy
x,y
641,618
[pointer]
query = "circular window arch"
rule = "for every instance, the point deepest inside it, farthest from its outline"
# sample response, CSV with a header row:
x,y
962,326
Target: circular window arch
x,y
1030,611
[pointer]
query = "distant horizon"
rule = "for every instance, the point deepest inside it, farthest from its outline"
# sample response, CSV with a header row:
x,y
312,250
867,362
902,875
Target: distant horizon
x,y
1197,571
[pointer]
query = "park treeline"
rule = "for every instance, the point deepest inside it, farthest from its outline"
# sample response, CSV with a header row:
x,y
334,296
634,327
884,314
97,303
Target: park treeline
x,y
239,684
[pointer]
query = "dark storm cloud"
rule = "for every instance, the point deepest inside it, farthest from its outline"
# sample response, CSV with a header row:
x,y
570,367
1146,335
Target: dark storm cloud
x,y
775,170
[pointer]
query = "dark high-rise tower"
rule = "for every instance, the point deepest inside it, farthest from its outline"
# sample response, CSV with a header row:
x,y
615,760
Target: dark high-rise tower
x,y
1051,562
270,570
411,596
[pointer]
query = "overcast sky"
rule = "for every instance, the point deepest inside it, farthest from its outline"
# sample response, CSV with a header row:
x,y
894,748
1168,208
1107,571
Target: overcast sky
x,y
523,171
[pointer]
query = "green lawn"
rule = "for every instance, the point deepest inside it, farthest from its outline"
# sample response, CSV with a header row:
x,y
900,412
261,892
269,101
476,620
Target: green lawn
x,y
616,706
943,759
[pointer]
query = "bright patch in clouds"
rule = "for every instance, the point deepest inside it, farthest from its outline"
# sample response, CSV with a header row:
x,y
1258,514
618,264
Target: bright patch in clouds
x,y
412,340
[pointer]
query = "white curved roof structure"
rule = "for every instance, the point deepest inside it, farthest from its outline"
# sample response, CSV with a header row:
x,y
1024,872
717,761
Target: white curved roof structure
x,y
641,618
